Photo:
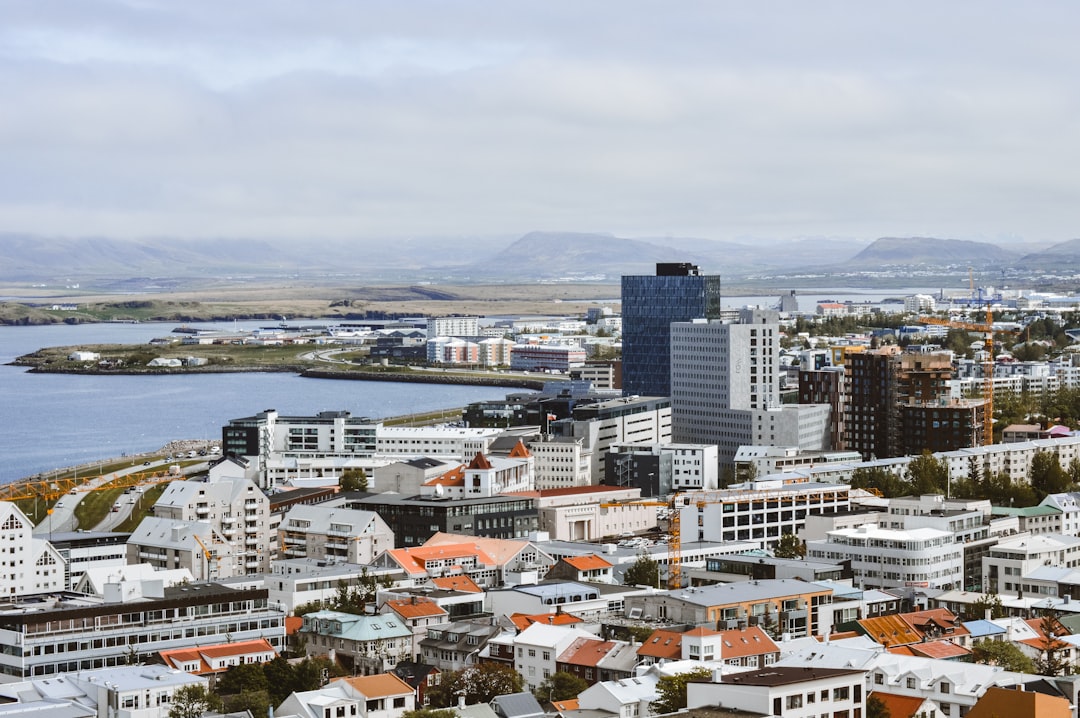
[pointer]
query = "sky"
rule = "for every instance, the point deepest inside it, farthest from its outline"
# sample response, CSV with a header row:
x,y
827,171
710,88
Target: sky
x,y
373,120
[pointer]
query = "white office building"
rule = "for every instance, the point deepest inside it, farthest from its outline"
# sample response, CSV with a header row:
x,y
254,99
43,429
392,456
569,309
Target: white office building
x,y
889,558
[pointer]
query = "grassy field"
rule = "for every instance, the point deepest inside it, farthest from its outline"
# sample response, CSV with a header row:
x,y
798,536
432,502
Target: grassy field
x,y
95,506
142,507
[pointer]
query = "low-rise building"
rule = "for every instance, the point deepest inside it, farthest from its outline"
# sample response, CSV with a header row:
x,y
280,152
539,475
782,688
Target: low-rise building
x,y
366,644
785,691
891,558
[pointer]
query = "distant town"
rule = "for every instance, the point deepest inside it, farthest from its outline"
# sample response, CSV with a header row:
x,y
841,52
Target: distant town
x,y
856,509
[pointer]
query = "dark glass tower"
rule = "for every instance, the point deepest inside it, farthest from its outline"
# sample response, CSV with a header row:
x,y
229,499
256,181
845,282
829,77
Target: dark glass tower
x,y
678,293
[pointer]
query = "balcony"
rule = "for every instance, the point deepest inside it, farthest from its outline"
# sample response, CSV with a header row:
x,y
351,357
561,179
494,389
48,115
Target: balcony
x,y
229,532
251,563
202,511
251,541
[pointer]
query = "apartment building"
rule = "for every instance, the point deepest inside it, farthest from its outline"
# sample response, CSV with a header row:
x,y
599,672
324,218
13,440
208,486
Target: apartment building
x,y
333,533
553,358
603,424
453,327
61,633
890,558
1012,559
561,462
236,510
84,551
792,692
31,565
488,562
760,513
660,469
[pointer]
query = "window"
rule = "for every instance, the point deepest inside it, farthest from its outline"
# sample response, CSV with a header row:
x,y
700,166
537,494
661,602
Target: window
x,y
794,701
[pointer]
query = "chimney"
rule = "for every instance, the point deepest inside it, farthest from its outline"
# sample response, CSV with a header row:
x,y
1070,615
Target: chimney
x,y
987,614
414,600
551,619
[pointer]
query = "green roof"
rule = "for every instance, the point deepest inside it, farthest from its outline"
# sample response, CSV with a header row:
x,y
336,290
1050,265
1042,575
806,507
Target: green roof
x,y
1024,511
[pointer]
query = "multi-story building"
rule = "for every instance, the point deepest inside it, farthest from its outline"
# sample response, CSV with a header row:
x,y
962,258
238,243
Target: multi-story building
x,y
826,385
678,293
333,533
899,404
601,425
561,462
603,375
659,469
367,644
725,387
792,692
1012,559
414,519
557,358
591,513
760,513
193,545
61,633
453,327
236,510
31,565
891,558
537,648
487,562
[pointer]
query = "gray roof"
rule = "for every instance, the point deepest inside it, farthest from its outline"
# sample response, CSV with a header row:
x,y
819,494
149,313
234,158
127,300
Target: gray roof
x,y
517,705
743,591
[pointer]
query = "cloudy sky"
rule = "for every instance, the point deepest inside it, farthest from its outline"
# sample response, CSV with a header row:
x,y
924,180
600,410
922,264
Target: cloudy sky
x,y
368,119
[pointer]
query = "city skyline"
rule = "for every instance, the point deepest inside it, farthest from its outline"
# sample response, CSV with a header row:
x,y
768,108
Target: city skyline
x,y
380,120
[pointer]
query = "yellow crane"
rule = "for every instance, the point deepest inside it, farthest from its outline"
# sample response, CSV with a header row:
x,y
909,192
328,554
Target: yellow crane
x,y
207,554
50,489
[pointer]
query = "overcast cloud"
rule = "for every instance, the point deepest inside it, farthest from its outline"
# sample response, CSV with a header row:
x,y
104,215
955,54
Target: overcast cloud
x,y
268,118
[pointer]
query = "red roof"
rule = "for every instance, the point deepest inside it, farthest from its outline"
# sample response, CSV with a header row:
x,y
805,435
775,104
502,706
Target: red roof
x,y
524,620
931,649
741,642
457,583
586,652
899,706
520,451
293,624
453,477
480,462
177,657
662,644
416,607
591,562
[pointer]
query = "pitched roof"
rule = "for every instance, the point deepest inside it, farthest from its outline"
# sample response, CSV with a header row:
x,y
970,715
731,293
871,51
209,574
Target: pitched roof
x,y
591,562
457,583
524,620
176,657
453,477
586,652
662,644
498,550
897,706
570,704
479,462
932,649
749,641
520,451
889,630
1018,704
415,607
380,685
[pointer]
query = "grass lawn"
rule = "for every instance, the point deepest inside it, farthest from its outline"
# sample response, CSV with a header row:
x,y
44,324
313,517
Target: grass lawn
x,y
142,507
95,506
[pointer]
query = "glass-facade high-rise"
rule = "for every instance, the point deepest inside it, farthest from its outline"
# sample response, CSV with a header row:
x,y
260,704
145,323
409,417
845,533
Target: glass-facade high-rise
x,y
678,293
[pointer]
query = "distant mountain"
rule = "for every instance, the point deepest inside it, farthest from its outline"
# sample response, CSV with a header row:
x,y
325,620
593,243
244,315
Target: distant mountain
x,y
1064,254
929,250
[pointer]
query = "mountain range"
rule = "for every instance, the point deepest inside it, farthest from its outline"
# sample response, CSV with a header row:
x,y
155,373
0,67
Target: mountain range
x,y
536,256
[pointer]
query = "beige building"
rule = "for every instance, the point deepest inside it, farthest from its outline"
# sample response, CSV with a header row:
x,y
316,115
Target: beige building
x,y
333,533
589,513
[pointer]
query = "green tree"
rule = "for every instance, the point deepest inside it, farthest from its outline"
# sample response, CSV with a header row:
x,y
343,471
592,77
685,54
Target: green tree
x,y
789,546
355,598
257,703
876,708
1050,661
671,690
430,713
927,474
1046,475
1002,653
242,677
479,684
560,686
879,480
192,700
353,479
643,572
989,602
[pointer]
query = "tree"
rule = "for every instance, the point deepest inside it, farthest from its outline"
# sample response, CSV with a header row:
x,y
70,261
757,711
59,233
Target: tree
x,y
876,708
927,474
353,479
355,598
789,546
430,713
671,690
1002,653
880,480
643,572
242,677
1050,662
989,602
560,686
1047,476
478,684
192,700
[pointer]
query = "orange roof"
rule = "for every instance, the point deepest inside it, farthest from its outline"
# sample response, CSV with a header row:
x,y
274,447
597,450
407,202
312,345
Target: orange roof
x,y
899,706
380,685
840,635
1041,642
1019,704
415,607
570,704
293,624
494,549
586,652
701,631
587,563
457,583
479,462
931,649
662,644
453,477
524,620
413,560
520,451
942,618
889,630
176,657
741,642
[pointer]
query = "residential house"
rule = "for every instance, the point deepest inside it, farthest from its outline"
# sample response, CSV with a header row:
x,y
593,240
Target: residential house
x,y
420,676
537,648
785,691
33,565
386,695
592,660
583,569
217,658
418,613
488,562
367,644
456,645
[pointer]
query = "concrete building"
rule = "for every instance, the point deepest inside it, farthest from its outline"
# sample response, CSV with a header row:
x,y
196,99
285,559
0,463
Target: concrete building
x,y
1010,560
678,293
453,327
561,462
87,550
367,644
236,510
591,513
785,691
603,424
32,565
891,558
537,648
333,533
192,545
415,519
552,358
676,467
61,633
725,387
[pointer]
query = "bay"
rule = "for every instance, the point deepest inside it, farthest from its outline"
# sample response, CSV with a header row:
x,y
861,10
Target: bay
x,y
51,421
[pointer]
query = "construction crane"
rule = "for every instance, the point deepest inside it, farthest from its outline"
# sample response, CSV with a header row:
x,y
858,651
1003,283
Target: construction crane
x,y
987,329
207,554
50,489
